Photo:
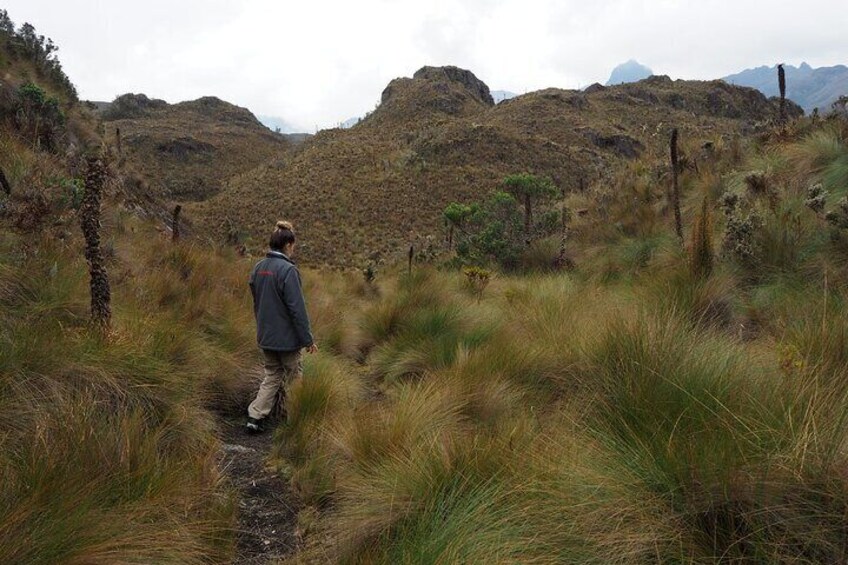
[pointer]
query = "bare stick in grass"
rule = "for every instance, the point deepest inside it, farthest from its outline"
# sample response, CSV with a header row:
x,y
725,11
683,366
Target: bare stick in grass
x,y
675,188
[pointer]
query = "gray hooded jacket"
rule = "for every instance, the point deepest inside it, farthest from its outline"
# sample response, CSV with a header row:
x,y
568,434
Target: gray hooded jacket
x,y
281,320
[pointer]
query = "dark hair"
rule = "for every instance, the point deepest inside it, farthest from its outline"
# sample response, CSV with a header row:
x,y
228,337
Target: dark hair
x,y
282,236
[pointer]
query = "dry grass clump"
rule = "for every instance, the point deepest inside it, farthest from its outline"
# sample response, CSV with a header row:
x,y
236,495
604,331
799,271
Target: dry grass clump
x,y
109,451
654,414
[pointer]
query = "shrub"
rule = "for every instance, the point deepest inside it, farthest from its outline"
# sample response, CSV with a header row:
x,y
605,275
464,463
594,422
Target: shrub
x,y
477,280
816,198
39,117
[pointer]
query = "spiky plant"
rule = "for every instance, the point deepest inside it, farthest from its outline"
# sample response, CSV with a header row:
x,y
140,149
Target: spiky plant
x,y
781,83
95,178
702,242
675,185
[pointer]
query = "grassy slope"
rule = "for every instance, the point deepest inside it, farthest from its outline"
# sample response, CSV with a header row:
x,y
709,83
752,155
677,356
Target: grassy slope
x,y
108,446
626,413
382,185
108,451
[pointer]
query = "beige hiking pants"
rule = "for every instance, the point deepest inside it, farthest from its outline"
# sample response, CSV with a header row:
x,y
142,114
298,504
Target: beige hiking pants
x,y
282,368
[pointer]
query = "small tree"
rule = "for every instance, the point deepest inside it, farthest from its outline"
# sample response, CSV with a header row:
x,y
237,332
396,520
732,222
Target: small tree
x,y
529,189
497,232
7,26
455,215
675,185
95,178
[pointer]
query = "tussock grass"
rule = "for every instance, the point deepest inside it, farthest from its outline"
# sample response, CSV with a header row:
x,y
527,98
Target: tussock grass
x,y
823,154
628,412
108,448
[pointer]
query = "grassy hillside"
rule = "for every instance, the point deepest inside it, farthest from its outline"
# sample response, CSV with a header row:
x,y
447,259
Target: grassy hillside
x,y
640,409
188,151
376,188
662,401
108,450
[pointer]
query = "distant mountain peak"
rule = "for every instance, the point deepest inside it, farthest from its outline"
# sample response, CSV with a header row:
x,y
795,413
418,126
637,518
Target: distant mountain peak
x,y
811,87
631,71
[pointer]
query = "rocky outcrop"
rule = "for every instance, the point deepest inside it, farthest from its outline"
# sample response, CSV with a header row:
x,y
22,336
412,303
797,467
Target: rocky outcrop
x,y
462,76
182,147
132,106
622,145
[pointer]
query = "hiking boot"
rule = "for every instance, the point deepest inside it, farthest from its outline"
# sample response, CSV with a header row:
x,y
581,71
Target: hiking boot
x,y
254,426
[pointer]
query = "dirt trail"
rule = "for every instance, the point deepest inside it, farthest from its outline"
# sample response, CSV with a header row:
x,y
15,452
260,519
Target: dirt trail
x,y
266,506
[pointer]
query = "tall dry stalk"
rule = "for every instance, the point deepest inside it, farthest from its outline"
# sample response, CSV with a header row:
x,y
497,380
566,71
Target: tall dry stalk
x,y
175,223
675,187
702,259
781,83
101,296
7,188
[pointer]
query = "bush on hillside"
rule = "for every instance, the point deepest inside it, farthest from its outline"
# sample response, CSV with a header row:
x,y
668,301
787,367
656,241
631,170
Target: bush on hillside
x,y
38,117
25,43
496,232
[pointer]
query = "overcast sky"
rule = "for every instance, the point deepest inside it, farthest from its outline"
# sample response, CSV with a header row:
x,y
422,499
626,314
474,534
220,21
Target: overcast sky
x,y
320,62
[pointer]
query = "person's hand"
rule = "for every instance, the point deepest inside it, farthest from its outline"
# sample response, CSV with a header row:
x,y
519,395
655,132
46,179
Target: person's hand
x,y
312,348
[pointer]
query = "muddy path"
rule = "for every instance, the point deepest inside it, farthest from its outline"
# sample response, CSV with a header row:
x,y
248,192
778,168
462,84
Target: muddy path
x,y
267,508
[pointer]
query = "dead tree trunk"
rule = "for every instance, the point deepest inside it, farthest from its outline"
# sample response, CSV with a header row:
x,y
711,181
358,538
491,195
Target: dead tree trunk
x,y
175,224
675,185
562,261
95,178
7,188
781,83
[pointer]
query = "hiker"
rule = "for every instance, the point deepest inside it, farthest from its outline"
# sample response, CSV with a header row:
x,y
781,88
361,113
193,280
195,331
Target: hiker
x,y
282,324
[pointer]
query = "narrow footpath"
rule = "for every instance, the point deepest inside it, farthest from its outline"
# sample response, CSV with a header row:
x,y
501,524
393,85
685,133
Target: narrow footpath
x,y
266,506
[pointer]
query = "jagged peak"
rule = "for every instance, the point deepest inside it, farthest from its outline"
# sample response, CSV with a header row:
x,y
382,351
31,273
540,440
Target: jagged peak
x,y
467,79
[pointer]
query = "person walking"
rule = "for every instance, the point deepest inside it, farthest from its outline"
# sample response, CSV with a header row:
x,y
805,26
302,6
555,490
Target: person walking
x,y
282,323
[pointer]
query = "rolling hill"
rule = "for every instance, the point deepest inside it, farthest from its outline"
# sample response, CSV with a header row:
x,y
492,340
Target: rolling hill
x,y
374,189
187,151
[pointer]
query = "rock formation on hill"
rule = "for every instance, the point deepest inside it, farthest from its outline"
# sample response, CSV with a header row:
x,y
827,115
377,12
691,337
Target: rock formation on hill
x,y
437,137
